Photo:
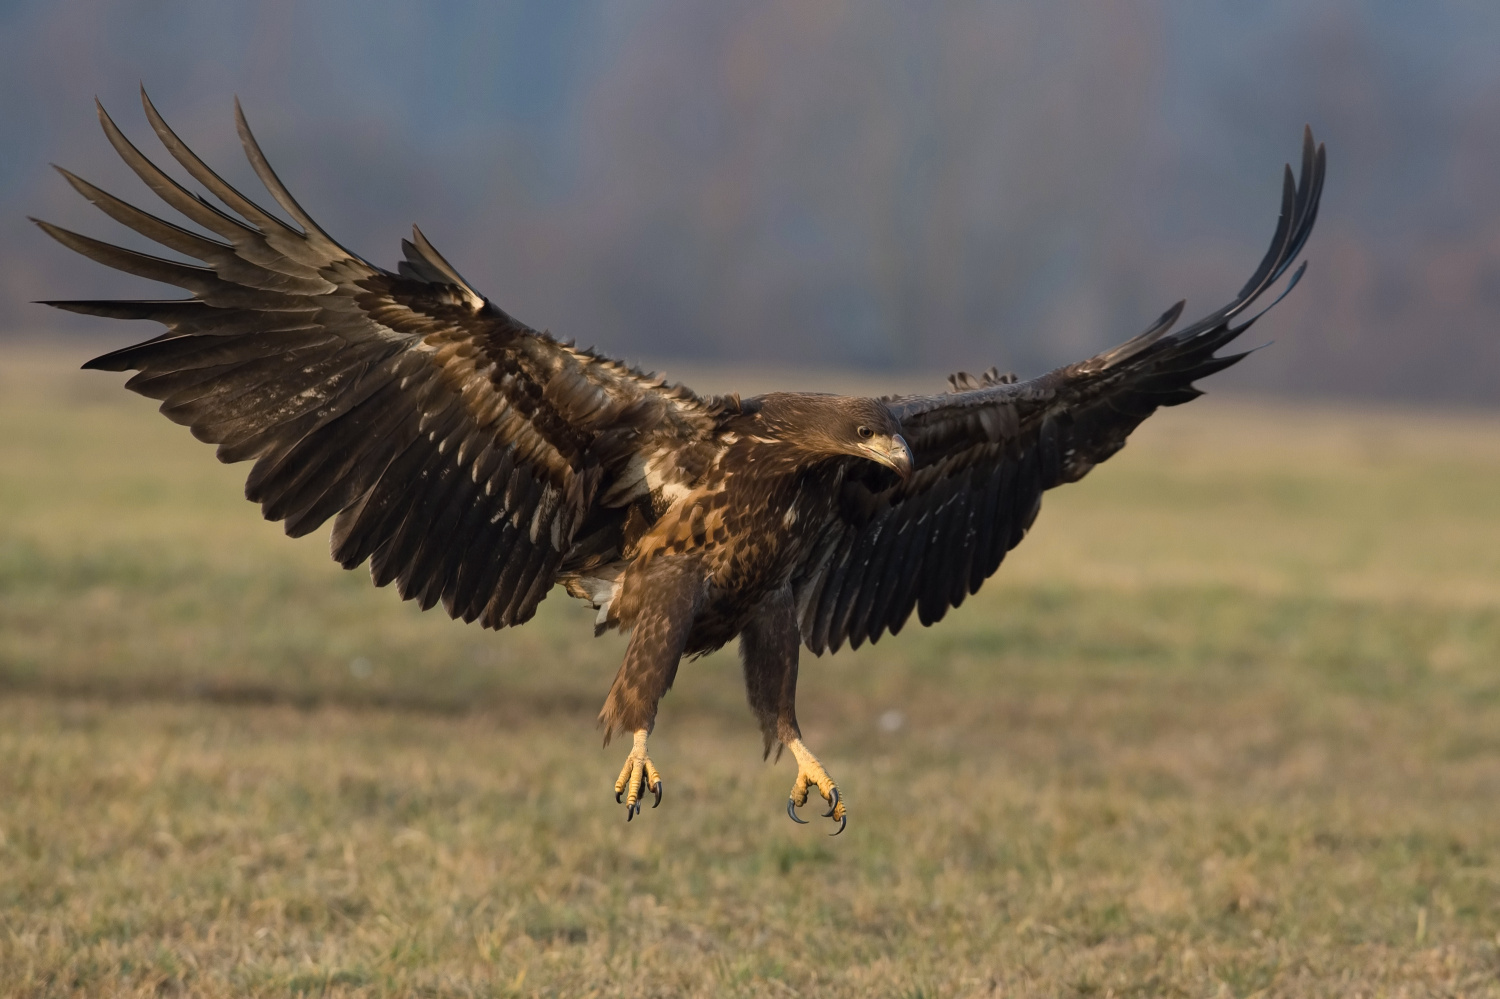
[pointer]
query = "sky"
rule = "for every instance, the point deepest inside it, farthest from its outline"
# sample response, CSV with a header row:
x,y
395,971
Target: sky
x,y
883,186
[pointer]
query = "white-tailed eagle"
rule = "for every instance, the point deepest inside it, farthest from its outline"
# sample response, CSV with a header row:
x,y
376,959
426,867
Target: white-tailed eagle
x,y
476,462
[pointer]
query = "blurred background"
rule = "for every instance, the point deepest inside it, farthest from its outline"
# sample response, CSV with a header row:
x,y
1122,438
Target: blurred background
x,y
882,186
1227,723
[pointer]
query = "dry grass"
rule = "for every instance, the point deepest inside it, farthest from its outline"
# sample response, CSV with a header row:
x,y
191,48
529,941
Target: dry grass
x,y
1228,723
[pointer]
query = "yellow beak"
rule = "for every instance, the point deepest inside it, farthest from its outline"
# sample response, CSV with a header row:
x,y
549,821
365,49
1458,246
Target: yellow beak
x,y
892,452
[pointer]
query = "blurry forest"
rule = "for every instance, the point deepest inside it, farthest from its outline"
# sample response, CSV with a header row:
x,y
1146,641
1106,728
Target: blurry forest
x,y
880,185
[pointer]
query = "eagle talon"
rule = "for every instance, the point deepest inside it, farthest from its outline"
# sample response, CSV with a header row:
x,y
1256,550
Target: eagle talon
x,y
811,776
638,776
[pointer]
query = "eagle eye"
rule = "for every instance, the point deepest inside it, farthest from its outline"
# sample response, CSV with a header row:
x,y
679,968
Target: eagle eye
x,y
866,433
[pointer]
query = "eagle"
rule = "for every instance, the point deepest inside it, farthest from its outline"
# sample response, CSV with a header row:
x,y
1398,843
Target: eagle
x,y
477,462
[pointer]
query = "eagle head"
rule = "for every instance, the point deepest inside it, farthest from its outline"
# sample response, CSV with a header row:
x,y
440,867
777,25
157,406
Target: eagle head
x,y
827,426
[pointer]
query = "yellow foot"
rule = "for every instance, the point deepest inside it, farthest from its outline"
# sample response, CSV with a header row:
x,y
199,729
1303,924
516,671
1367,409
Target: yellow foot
x,y
810,773
637,777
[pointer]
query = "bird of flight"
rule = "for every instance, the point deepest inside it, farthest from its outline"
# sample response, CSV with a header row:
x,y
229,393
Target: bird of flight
x,y
477,462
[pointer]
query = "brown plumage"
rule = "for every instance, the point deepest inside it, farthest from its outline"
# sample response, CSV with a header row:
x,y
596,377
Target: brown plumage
x,y
476,462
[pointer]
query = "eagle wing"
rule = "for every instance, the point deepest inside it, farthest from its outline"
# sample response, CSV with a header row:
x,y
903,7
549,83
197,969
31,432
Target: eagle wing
x,y
985,453
459,450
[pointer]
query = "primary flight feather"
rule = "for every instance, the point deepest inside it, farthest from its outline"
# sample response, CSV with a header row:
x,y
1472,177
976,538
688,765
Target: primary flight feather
x,y
477,462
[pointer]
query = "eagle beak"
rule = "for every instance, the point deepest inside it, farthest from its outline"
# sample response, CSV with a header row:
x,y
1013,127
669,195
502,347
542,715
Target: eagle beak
x,y
893,453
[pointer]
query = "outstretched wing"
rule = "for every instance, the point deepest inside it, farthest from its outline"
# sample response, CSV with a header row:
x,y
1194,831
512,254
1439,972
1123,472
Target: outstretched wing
x,y
986,452
459,449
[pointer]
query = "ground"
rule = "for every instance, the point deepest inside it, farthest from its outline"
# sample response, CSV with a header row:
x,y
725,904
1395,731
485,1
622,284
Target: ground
x,y
1227,723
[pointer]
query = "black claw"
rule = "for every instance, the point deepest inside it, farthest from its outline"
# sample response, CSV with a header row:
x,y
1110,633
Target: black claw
x,y
843,822
791,812
833,804
657,790
629,812
619,797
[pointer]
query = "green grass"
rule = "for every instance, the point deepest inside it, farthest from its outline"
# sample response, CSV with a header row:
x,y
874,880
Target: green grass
x,y
1228,723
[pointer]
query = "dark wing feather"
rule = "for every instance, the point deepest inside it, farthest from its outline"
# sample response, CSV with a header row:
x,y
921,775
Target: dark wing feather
x,y
987,451
458,449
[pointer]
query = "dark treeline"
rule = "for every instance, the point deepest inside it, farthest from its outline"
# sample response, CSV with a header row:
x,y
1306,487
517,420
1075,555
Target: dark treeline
x,y
879,184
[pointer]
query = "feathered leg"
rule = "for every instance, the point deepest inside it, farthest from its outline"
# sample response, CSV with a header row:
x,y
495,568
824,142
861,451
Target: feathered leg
x,y
769,647
658,633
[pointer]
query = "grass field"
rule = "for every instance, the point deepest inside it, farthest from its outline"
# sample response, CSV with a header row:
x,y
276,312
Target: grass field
x,y
1227,723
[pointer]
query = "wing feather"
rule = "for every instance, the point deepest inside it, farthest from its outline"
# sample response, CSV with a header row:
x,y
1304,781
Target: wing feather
x,y
456,449
986,452
876,549
987,525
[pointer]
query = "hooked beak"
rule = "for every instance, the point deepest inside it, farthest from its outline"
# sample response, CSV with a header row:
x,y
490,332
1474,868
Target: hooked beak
x,y
893,453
